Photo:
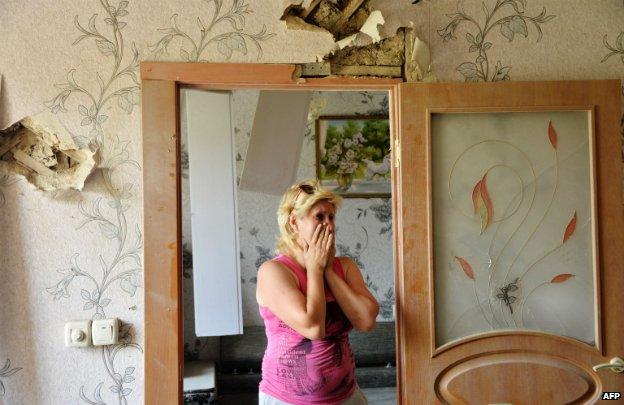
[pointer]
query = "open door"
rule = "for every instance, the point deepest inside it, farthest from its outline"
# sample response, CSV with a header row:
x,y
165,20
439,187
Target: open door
x,y
512,242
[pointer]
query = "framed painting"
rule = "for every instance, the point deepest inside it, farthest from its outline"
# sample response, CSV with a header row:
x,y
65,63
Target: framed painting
x,y
353,155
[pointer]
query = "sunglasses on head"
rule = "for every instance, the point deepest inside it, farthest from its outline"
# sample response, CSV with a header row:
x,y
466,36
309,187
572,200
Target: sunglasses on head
x,y
306,188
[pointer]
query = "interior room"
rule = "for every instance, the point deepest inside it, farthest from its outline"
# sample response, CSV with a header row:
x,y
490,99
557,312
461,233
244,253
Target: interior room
x,y
364,224
487,221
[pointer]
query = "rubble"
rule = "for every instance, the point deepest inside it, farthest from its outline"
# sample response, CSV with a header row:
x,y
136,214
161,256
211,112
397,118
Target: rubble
x,y
372,38
40,149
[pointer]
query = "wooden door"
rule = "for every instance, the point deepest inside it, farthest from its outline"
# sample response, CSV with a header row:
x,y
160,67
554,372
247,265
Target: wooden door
x,y
511,235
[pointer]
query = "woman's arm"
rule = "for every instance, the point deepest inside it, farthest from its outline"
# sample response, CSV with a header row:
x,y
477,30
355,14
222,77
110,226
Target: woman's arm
x,y
277,289
358,304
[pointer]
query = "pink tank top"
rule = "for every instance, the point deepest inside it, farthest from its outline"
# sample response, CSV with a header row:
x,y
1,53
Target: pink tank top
x,y
301,371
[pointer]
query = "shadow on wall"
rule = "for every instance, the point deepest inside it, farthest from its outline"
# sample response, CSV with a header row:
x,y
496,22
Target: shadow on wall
x,y
17,356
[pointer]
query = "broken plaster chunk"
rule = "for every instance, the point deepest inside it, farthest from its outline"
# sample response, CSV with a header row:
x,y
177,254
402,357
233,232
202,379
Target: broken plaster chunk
x,y
43,151
297,23
299,3
300,8
370,26
417,59
387,52
31,163
368,34
398,14
355,23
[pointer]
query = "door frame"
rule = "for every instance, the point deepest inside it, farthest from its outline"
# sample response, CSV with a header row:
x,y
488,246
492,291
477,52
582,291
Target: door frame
x,y
160,93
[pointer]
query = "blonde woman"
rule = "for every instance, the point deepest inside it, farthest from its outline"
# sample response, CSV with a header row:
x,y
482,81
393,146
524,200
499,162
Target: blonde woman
x,y
310,300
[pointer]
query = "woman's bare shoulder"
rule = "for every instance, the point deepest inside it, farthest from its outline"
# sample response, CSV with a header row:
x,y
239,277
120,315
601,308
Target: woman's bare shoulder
x,y
273,268
274,274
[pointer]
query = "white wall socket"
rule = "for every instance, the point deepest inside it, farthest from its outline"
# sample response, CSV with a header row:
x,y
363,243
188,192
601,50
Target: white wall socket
x,y
105,331
78,333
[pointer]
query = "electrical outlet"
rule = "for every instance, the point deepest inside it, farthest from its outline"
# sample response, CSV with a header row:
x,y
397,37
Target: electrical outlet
x,y
105,331
78,333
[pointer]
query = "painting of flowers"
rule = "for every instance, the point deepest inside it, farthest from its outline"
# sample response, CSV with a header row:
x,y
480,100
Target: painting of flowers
x,y
353,155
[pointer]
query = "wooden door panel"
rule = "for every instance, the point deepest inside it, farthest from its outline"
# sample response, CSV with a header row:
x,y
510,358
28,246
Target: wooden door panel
x,y
508,364
504,377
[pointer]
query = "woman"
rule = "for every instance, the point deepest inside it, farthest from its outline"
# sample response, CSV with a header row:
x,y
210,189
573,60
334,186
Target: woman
x,y
310,300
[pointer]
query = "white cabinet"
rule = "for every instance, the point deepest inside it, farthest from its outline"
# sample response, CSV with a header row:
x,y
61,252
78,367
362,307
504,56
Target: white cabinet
x,y
212,175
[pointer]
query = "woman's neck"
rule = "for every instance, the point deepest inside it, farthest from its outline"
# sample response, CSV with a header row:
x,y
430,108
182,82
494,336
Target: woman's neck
x,y
298,257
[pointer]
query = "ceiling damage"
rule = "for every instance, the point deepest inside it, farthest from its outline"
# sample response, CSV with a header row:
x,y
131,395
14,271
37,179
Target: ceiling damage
x,y
372,38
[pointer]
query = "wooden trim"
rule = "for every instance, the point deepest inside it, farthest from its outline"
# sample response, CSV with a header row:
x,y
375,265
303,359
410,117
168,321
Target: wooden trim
x,y
430,262
322,83
229,76
397,224
483,109
501,332
160,82
593,166
161,182
218,73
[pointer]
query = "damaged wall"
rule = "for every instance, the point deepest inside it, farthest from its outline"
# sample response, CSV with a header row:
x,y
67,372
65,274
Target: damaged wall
x,y
81,256
369,38
39,149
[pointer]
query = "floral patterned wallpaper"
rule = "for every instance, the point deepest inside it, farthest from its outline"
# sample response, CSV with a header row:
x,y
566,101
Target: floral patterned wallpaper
x,y
78,255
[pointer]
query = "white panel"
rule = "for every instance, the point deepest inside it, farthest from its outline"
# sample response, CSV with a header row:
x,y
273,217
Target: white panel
x,y
216,267
272,157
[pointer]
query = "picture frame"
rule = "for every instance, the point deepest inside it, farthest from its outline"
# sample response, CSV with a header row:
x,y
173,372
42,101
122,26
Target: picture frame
x,y
353,157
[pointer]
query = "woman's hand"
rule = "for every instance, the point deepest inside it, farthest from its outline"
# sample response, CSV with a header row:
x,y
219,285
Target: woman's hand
x,y
331,255
317,250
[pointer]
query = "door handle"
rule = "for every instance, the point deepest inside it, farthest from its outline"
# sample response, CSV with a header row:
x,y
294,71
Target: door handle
x,y
616,365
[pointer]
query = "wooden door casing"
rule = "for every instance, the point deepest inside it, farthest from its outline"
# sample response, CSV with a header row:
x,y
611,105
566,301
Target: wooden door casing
x,y
161,82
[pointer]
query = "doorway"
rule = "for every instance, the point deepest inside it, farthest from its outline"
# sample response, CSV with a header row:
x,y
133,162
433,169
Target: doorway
x,y
164,341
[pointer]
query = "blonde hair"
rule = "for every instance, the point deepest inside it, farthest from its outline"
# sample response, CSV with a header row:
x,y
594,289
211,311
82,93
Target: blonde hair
x,y
299,199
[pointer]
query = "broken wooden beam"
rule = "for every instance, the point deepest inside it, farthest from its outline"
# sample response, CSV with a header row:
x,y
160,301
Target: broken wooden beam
x,y
305,13
10,143
317,69
31,163
387,52
325,15
362,70
347,12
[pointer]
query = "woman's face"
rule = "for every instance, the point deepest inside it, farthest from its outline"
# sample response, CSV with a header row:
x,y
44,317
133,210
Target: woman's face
x,y
323,212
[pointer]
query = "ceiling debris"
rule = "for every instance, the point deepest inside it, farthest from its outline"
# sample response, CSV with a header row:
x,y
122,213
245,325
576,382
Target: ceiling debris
x,y
372,38
40,149
417,59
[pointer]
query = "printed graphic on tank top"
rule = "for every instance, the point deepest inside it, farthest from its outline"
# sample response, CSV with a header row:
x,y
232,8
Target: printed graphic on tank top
x,y
298,370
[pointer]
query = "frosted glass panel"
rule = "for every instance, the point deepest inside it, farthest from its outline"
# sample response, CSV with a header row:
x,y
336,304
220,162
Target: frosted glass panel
x,y
513,228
